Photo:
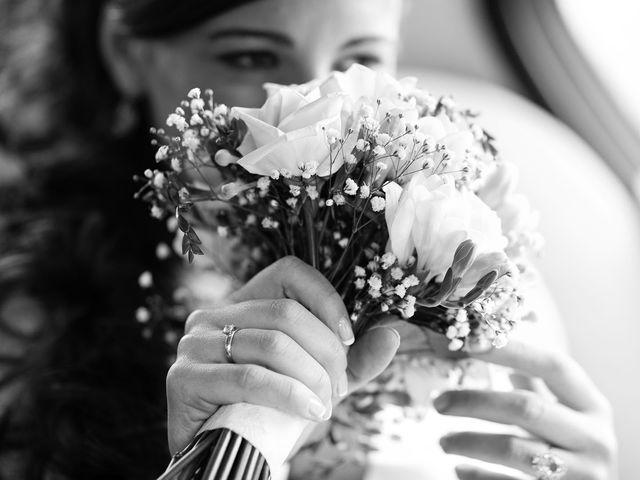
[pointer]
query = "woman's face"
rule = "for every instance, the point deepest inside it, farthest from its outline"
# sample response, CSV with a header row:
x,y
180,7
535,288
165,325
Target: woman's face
x,y
281,41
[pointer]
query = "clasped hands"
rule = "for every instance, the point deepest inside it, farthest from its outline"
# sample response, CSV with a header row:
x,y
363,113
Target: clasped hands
x,y
294,350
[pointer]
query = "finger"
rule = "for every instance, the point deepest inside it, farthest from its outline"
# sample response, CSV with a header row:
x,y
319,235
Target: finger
x,y
555,423
284,315
272,349
370,355
195,391
509,451
468,472
292,278
564,377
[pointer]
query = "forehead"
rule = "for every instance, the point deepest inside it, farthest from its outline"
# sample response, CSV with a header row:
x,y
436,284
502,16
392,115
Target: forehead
x,y
313,20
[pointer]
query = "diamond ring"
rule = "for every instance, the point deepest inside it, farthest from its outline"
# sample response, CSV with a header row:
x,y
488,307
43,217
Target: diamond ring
x,y
548,466
229,332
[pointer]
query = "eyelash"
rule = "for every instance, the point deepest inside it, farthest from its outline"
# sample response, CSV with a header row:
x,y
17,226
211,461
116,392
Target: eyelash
x,y
250,60
363,59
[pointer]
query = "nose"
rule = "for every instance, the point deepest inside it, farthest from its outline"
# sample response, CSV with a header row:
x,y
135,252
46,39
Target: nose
x,y
310,68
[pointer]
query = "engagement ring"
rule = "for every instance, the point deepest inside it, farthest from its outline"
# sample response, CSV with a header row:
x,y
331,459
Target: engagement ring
x,y
229,332
548,466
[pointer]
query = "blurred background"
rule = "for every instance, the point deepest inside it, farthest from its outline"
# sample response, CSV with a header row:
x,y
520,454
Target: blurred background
x,y
556,81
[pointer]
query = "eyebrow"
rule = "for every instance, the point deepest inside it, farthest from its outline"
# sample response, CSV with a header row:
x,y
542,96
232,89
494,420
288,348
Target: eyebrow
x,y
248,32
356,42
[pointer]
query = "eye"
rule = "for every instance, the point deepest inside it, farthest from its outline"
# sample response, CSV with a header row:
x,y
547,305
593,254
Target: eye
x,y
250,60
371,61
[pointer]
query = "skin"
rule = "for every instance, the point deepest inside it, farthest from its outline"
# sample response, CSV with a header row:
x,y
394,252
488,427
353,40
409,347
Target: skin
x,y
284,311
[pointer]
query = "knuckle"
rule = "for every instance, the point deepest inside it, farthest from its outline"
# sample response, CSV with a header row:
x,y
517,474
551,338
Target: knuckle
x,y
529,407
289,262
284,309
194,319
186,345
516,450
251,377
274,342
176,381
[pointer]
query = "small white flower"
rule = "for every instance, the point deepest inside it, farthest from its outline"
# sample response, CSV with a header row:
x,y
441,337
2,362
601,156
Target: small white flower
x,y
190,140
464,329
163,251
329,203
351,159
196,120
343,242
455,345
365,191
157,212
194,93
375,282
176,165
333,136
401,153
292,202
350,187
294,190
387,260
275,175
359,283
397,273
400,291
382,138
378,204
379,151
374,293
461,316
285,173
159,180
339,199
452,332
362,145
411,281
312,192
178,121
162,153
197,104
220,110
145,280
143,315
384,307
183,194
251,219
381,166
222,231
358,271
268,223
148,173
263,183
204,132
308,169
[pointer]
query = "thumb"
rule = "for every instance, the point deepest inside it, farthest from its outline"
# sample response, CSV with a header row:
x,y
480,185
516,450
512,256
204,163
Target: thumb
x,y
370,355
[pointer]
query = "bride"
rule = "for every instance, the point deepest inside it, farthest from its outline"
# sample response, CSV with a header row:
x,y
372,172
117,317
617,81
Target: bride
x,y
82,385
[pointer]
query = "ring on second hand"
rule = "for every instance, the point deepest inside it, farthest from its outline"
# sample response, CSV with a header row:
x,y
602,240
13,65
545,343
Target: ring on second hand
x,y
548,466
229,332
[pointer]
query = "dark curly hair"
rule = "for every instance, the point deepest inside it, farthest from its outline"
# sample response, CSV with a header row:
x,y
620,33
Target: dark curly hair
x,y
87,391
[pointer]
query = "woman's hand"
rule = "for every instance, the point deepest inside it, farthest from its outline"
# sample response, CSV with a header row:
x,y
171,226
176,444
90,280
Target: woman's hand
x,y
567,416
290,351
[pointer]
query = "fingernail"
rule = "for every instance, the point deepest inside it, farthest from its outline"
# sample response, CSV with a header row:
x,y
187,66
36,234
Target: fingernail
x,y
445,442
442,403
343,385
392,330
317,410
345,332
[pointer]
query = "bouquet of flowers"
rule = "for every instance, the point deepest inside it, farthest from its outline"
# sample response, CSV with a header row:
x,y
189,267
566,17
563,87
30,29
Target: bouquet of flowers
x,y
398,197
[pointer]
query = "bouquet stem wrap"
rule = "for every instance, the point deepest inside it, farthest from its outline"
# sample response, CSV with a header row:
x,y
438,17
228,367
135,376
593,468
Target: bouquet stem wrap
x,y
272,432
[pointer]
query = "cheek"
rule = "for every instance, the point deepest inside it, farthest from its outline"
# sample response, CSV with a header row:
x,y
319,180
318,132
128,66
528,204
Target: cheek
x,y
172,74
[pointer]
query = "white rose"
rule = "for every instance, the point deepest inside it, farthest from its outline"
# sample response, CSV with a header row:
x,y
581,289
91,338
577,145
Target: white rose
x,y
432,217
289,129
